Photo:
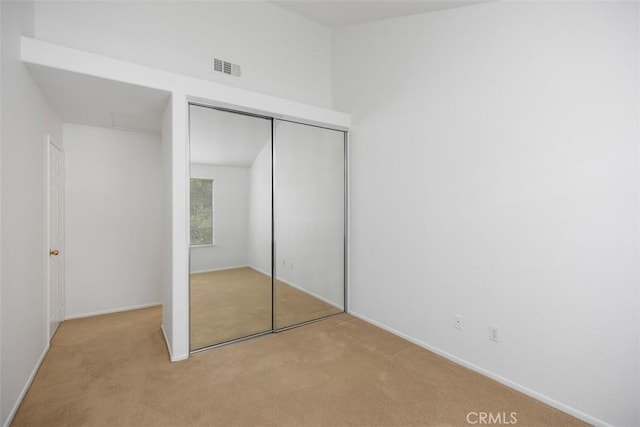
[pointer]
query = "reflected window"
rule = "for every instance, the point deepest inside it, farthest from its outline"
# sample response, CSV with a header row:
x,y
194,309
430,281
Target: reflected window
x,y
201,212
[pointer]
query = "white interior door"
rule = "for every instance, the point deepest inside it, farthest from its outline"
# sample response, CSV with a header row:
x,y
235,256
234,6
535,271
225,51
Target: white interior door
x,y
56,236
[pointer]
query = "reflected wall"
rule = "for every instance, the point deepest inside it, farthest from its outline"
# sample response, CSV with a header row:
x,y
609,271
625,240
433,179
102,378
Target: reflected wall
x,y
309,218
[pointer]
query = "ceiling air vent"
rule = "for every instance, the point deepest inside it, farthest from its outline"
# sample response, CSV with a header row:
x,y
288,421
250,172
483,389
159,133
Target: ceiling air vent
x,y
226,67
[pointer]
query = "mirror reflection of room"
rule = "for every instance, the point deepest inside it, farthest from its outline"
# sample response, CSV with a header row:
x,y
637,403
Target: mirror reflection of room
x,y
230,201
309,222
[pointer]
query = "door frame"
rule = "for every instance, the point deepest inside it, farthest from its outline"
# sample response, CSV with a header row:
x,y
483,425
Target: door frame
x,y
49,142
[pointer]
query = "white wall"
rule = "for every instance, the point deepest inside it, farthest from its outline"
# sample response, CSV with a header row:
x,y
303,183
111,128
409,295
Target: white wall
x,y
495,175
26,120
231,219
177,305
1,91
281,53
260,212
166,279
1,85
113,201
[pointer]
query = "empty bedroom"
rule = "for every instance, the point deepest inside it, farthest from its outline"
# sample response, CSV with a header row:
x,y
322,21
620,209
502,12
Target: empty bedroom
x,y
320,213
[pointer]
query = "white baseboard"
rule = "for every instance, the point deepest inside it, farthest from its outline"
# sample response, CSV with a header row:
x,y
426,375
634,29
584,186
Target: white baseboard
x,y
113,310
171,356
220,269
505,381
301,289
259,270
308,292
180,358
166,341
26,387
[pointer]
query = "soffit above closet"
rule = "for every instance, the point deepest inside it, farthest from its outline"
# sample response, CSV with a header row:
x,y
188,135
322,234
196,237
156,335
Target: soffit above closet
x,y
333,13
93,101
83,86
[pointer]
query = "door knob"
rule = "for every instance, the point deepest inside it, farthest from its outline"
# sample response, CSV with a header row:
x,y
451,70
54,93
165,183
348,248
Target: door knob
x,y
54,252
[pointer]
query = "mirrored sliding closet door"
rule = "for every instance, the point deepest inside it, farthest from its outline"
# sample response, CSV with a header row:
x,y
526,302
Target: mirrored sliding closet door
x,y
230,226
265,196
309,218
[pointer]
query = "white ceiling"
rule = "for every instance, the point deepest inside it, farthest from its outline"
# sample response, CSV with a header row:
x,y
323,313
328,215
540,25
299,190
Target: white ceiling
x,y
340,13
92,101
222,138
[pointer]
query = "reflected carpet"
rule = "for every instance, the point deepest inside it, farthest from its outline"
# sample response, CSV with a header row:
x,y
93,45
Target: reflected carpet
x,y
235,303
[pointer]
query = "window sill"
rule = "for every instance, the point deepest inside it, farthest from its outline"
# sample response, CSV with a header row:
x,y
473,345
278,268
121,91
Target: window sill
x,y
203,246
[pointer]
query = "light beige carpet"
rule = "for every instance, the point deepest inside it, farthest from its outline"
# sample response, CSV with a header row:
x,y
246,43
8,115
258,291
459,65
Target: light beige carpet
x,y
113,370
236,303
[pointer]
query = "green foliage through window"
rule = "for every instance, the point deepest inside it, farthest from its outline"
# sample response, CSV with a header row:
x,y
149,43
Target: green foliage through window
x,y
201,212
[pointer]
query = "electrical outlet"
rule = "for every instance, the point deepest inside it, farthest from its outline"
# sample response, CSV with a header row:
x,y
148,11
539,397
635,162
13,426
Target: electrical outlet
x,y
457,321
494,334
